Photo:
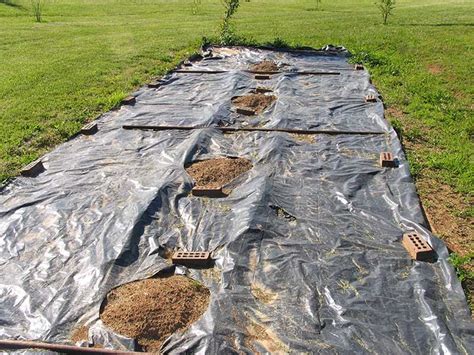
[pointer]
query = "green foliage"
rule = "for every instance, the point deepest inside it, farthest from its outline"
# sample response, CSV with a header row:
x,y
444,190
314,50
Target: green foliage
x,y
398,127
461,265
386,8
228,36
37,6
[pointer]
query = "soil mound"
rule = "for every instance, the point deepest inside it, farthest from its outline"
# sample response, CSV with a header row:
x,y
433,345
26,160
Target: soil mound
x,y
264,66
214,173
257,102
153,309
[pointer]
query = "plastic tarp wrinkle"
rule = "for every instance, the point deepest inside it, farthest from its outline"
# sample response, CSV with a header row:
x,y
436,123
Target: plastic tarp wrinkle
x,y
307,246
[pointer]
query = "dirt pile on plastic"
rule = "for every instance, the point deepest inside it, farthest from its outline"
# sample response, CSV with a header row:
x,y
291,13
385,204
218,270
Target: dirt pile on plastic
x,y
256,102
264,66
153,309
214,173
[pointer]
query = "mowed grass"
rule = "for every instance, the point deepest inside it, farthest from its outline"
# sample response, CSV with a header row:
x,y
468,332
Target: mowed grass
x,y
88,54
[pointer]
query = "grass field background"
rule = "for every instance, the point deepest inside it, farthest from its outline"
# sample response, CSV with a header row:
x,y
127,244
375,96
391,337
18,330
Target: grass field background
x,y
87,55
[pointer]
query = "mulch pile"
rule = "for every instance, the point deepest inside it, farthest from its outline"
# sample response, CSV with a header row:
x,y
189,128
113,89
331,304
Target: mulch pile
x,y
256,102
264,66
153,309
214,173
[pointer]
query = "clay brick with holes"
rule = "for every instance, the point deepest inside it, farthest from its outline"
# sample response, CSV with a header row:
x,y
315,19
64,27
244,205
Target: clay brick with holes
x,y
417,247
154,84
371,98
208,192
358,67
245,111
129,100
33,169
262,77
89,128
387,160
192,258
262,90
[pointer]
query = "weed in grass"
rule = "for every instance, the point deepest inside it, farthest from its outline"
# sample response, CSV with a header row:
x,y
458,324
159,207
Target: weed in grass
x,y
461,264
398,127
37,6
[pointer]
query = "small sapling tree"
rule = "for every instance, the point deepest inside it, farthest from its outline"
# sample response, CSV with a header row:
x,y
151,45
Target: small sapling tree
x,y
230,8
386,8
37,6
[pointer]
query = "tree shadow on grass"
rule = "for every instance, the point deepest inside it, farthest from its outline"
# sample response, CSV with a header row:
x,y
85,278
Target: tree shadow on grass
x,y
436,24
12,4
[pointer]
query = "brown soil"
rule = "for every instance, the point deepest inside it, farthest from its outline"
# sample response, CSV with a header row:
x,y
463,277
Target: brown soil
x,y
444,217
446,209
214,173
153,309
435,69
264,66
257,102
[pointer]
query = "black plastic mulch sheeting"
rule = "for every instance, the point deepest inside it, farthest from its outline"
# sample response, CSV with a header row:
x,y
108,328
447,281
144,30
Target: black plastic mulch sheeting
x,y
308,245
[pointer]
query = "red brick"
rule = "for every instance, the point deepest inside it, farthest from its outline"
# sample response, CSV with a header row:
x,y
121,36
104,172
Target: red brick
x,y
129,100
192,258
89,128
208,192
370,98
245,111
417,247
387,160
33,169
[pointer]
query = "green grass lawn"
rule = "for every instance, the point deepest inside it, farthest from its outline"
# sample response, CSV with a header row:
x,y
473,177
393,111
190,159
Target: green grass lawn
x,y
88,54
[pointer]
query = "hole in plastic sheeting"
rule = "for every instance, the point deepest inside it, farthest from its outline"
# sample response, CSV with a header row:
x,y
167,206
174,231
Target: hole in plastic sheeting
x,y
214,173
264,66
151,310
253,101
281,213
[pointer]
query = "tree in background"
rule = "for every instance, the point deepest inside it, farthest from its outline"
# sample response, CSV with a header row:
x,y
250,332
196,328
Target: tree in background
x,y
386,8
230,7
